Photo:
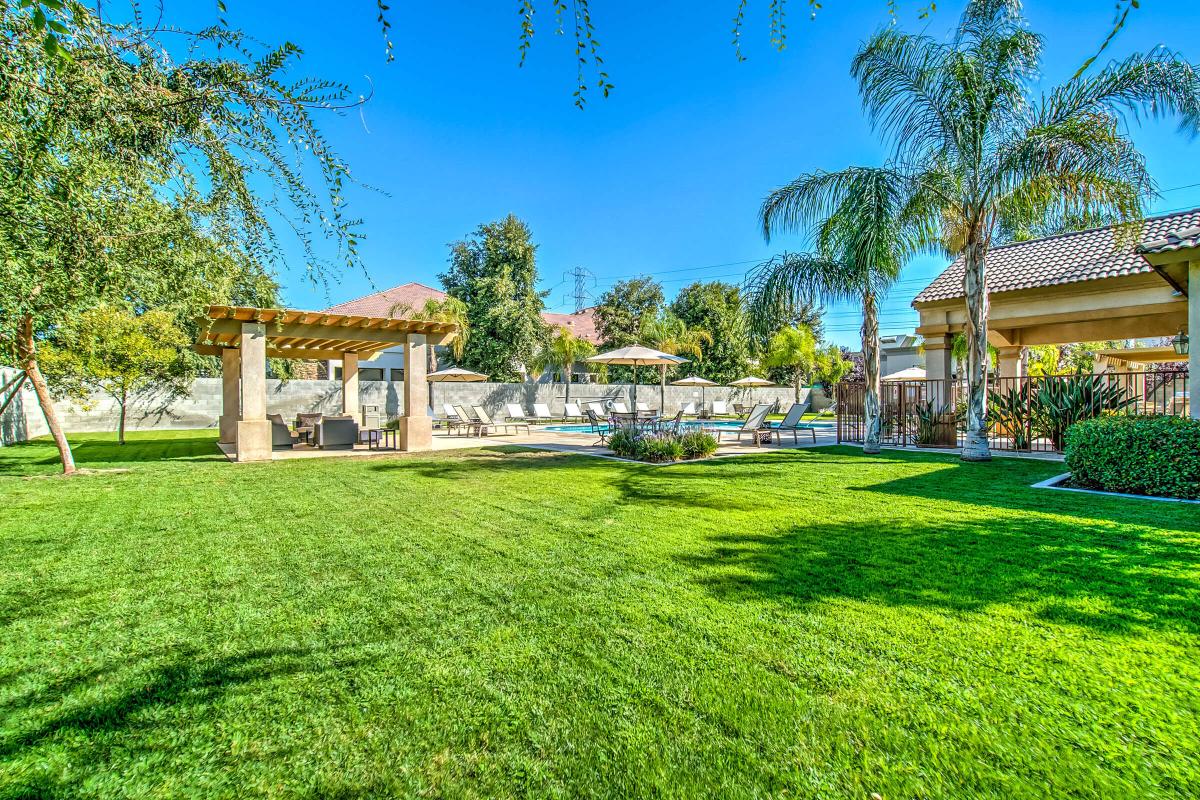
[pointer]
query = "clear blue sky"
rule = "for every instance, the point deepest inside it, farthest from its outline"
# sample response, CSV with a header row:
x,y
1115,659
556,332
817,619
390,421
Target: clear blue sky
x,y
664,177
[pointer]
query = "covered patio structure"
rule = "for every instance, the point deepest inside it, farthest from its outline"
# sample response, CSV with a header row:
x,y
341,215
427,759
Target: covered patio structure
x,y
245,337
1109,283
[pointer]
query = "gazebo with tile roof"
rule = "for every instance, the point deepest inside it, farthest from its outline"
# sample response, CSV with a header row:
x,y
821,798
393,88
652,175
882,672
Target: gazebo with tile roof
x,y
1117,282
244,337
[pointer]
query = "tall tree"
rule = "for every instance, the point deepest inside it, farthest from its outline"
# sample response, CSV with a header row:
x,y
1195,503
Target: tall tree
x,y
121,159
964,117
867,223
451,310
561,353
493,272
622,308
718,309
794,349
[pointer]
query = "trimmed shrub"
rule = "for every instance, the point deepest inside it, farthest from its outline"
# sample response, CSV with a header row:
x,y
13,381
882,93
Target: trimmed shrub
x,y
1150,455
665,448
698,444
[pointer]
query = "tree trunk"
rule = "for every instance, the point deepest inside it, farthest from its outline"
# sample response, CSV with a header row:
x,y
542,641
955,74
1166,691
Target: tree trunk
x,y
870,345
570,369
796,381
27,355
121,420
975,288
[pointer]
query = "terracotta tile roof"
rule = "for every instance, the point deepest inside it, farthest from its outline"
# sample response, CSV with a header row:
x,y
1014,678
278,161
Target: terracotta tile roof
x,y
1178,239
1067,258
380,304
414,295
582,323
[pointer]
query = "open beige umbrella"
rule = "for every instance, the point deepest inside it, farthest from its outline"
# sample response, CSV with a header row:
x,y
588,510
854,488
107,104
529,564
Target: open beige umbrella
x,y
910,374
695,380
636,356
751,381
452,375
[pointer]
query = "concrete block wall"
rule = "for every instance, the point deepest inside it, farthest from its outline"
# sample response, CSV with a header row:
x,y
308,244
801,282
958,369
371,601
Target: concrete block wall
x,y
201,407
23,419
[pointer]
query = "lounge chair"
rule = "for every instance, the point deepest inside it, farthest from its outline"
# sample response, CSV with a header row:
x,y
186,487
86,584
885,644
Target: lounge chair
x,y
465,423
689,410
640,406
571,411
620,408
757,421
515,413
486,422
720,408
828,411
598,409
794,423
541,413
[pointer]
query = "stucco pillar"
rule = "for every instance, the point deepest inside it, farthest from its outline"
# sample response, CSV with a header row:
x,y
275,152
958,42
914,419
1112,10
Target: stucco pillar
x,y
416,428
231,396
253,429
350,384
1010,362
939,367
1193,328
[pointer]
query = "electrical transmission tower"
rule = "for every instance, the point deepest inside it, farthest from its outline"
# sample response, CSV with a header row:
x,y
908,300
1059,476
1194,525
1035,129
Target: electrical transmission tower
x,y
584,281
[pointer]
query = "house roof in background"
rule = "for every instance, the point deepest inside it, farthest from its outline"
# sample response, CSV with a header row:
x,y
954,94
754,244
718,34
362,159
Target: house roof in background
x,y
1178,239
1069,257
413,296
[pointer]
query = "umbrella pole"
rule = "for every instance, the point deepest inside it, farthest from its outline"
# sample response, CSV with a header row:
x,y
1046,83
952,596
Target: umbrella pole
x,y
634,401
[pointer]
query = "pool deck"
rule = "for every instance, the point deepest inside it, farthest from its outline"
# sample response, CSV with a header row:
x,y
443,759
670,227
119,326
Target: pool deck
x,y
539,438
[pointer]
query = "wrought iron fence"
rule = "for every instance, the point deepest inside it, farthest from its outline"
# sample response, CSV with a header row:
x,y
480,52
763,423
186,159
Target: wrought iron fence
x,y
1024,414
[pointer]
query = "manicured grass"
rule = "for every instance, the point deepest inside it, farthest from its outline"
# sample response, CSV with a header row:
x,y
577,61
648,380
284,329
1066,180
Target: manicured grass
x,y
492,623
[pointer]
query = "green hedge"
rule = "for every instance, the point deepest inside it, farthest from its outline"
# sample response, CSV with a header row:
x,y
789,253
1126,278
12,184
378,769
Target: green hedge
x,y
1155,455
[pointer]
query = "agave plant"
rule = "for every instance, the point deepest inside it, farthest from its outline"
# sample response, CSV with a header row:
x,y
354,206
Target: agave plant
x,y
1061,402
1010,412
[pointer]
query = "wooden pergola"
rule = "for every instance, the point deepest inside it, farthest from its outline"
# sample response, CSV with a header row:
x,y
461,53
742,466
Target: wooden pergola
x,y
245,337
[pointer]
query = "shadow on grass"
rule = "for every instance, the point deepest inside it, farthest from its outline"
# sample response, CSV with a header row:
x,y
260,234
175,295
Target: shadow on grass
x,y
40,457
1095,575
189,679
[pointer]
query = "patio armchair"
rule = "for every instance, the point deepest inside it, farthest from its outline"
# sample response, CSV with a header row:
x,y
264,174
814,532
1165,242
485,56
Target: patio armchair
x,y
794,423
598,425
336,433
755,423
306,423
281,437
740,410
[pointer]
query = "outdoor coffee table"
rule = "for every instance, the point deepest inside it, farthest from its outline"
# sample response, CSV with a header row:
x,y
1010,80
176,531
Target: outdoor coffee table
x,y
378,438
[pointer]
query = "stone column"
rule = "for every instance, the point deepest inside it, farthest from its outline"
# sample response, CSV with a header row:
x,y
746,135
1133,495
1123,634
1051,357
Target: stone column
x,y
254,430
1010,362
416,428
1193,351
350,405
231,396
939,367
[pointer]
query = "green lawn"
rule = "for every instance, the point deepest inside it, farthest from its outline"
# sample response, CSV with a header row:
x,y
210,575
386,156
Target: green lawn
x,y
492,623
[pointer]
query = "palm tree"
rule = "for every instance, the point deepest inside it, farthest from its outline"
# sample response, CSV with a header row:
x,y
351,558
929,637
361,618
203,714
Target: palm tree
x,y
965,121
868,222
451,310
561,353
796,349
672,336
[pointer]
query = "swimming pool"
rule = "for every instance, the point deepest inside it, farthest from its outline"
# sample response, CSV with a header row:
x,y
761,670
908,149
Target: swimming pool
x,y
721,424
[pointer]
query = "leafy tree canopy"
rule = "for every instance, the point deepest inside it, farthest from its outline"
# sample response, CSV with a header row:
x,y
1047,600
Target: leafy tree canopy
x,y
622,309
494,272
717,308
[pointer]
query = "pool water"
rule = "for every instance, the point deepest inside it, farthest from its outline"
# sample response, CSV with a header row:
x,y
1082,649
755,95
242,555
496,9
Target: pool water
x,y
722,424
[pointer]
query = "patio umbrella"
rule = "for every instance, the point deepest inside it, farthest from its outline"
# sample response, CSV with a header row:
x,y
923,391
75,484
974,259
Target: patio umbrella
x,y
452,375
910,374
695,380
637,356
751,381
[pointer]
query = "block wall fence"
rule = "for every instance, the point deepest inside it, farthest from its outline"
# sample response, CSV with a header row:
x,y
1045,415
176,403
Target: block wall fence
x,y
201,407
